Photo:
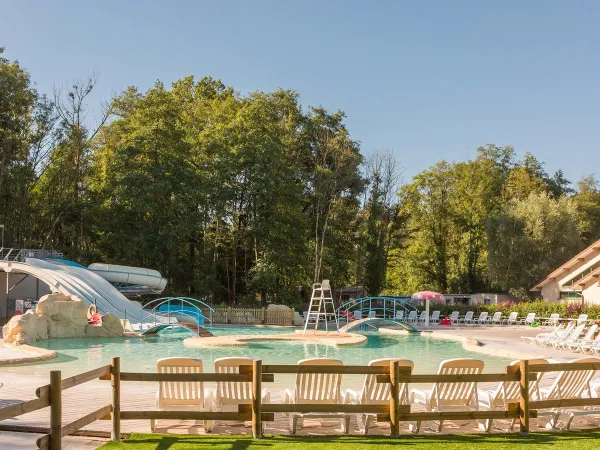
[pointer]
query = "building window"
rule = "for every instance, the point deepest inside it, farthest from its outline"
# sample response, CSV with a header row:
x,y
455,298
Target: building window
x,y
487,301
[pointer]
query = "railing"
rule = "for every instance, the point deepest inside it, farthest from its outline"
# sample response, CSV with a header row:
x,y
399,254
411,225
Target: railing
x,y
253,316
395,412
384,307
19,254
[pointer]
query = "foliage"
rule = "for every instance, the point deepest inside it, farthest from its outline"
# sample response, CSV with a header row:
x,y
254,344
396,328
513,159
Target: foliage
x,y
242,197
529,239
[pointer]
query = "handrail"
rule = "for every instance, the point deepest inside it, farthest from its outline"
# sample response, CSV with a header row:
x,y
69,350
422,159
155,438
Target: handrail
x,y
391,304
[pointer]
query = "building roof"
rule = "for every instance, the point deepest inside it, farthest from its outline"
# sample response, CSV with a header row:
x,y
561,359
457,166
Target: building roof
x,y
569,265
590,278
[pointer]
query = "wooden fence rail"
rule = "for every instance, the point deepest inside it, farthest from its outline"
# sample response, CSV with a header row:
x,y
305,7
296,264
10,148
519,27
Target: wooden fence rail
x,y
258,412
252,316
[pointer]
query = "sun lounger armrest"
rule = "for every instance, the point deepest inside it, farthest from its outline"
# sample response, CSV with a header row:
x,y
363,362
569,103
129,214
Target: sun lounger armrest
x,y
288,396
418,396
349,396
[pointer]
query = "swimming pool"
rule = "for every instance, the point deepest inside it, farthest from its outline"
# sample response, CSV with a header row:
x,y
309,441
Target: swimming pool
x,y
140,355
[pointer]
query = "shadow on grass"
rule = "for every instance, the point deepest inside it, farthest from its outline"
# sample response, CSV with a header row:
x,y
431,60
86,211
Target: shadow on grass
x,y
574,439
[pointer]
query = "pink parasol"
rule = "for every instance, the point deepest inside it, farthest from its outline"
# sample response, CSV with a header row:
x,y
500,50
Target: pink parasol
x,y
427,296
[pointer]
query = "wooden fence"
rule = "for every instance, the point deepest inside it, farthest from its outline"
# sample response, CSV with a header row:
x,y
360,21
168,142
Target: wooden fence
x,y
252,316
257,412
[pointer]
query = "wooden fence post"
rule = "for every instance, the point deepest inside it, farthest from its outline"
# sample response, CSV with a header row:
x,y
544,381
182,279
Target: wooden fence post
x,y
524,398
228,319
292,316
256,398
263,316
115,383
394,399
55,410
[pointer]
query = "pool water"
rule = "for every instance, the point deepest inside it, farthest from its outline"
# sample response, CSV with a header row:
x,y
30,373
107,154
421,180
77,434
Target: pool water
x,y
140,355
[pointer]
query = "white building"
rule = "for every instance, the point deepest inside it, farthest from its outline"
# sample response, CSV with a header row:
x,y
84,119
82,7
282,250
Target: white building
x,y
576,280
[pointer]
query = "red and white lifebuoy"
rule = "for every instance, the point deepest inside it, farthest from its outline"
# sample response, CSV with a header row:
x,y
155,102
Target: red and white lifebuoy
x,y
93,316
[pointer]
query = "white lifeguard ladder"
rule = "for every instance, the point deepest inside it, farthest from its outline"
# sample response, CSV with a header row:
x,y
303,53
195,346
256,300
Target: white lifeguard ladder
x,y
321,306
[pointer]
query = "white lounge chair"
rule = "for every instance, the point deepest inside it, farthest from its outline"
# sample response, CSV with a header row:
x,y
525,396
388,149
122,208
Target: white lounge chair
x,y
468,317
553,320
321,388
508,392
558,333
529,319
496,318
435,316
182,395
358,315
582,319
454,316
412,316
449,396
573,384
571,338
483,318
374,393
399,316
587,339
512,318
590,347
372,314
230,394
422,316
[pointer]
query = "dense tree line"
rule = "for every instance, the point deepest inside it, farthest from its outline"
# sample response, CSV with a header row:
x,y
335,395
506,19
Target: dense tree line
x,y
495,224
240,198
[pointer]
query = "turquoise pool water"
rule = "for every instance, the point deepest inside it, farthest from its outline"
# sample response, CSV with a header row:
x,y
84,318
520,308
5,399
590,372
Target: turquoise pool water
x,y
78,355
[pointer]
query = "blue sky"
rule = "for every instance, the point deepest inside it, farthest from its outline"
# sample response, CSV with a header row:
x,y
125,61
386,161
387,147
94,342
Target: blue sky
x,y
426,79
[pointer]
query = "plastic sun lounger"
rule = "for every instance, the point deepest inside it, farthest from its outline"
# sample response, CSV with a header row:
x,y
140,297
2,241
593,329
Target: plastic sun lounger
x,y
507,392
373,393
449,396
529,319
454,316
182,395
559,333
572,384
496,318
321,388
231,394
468,318
512,318
588,338
553,320
571,338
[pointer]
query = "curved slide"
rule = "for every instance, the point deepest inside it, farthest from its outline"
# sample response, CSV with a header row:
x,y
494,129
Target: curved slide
x,y
72,279
137,276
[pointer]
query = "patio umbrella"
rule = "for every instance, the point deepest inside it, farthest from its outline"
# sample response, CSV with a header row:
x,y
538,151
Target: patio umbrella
x,y
428,296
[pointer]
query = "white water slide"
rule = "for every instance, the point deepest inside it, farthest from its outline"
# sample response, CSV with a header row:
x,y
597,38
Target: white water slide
x,y
130,275
84,283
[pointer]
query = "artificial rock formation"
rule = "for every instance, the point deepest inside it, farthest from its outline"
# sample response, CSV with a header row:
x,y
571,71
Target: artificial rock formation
x,y
58,316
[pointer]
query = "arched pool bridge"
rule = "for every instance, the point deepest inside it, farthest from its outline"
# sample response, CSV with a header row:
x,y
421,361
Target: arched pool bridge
x,y
370,312
184,313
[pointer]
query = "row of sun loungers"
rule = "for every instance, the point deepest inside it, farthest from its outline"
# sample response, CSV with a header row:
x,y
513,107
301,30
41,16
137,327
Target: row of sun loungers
x,y
573,337
326,388
469,318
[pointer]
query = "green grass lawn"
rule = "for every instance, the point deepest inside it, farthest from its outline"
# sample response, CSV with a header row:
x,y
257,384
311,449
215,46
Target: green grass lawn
x,y
570,440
